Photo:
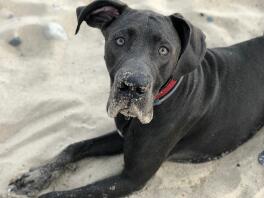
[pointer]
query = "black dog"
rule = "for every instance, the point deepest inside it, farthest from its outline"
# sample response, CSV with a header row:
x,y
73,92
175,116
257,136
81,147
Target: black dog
x,y
172,98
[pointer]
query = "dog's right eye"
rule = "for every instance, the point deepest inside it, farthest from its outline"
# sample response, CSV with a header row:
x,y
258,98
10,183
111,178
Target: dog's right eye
x,y
163,51
120,41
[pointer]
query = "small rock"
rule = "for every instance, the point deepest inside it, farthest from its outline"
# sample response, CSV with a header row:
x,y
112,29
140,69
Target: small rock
x,y
202,14
261,158
55,31
15,42
210,19
10,16
5,13
238,165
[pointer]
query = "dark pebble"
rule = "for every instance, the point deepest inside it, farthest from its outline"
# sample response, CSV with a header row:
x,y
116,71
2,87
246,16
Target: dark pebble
x,y
261,158
238,165
210,19
202,14
11,16
15,42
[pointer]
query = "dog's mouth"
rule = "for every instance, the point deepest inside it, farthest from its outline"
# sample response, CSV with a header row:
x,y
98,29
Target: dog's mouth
x,y
141,108
128,113
144,115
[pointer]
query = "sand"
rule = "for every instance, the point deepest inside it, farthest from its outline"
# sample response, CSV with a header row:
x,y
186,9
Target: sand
x,y
54,87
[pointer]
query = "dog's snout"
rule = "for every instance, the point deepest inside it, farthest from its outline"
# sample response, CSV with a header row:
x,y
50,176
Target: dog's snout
x,y
138,84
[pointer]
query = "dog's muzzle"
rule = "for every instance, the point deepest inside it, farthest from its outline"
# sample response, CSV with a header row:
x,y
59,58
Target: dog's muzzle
x,y
131,95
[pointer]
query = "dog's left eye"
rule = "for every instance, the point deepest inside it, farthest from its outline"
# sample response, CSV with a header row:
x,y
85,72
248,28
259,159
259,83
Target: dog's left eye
x,y
120,41
163,51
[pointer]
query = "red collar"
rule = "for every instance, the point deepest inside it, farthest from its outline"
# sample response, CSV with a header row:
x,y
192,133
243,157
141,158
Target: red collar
x,y
167,91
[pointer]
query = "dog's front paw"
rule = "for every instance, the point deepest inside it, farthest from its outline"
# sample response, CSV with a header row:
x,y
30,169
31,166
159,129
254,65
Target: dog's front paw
x,y
33,182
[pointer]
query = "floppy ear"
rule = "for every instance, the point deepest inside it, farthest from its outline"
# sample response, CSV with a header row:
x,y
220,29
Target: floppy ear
x,y
193,46
99,13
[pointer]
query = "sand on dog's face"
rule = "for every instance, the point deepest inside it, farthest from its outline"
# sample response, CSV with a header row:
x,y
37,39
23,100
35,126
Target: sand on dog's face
x,y
149,52
131,105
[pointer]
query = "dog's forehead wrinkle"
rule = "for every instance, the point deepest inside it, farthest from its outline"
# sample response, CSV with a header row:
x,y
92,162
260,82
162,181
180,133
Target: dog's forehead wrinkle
x,y
139,18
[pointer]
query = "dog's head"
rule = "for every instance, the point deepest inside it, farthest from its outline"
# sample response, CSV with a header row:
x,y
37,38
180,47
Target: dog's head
x,y
143,50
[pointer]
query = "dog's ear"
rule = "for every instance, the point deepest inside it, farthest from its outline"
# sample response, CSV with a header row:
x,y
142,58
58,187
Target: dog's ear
x,y
193,46
99,13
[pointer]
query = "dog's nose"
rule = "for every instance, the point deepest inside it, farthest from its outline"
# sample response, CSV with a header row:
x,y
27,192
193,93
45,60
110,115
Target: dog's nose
x,y
138,84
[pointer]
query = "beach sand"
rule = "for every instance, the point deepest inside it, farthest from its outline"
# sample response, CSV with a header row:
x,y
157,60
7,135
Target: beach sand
x,y
54,88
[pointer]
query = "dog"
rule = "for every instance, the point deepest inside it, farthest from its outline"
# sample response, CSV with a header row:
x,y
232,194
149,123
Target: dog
x,y
171,98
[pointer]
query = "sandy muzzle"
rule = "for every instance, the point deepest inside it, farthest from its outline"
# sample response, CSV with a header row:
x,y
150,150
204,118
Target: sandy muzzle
x,y
140,107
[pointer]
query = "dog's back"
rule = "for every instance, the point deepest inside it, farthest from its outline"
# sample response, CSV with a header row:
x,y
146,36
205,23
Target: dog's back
x,y
236,109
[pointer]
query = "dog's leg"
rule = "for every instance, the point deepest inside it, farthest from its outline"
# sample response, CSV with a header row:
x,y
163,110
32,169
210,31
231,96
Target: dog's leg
x,y
39,178
143,157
